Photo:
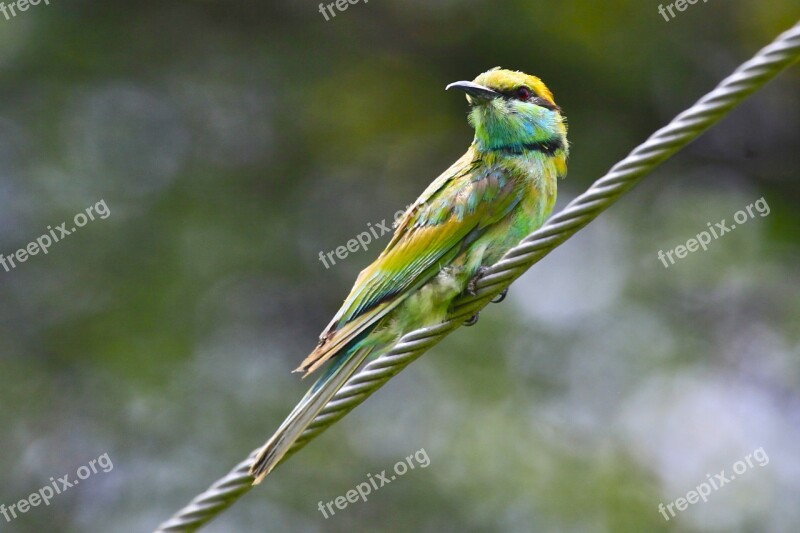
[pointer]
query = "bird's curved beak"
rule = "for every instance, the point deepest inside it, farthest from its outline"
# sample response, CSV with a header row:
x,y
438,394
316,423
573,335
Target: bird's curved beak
x,y
474,90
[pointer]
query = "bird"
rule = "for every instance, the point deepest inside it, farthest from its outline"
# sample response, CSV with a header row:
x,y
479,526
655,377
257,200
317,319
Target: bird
x,y
503,188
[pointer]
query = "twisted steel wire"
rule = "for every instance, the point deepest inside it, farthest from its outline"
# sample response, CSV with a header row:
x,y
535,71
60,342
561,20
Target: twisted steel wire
x,y
683,129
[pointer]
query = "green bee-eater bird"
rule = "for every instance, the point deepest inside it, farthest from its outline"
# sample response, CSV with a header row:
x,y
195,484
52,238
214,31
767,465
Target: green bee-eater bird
x,y
498,192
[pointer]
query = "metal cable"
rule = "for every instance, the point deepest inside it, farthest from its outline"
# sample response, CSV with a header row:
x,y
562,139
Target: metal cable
x,y
683,129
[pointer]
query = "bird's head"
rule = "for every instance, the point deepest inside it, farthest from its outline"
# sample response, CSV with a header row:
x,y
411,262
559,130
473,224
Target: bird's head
x,y
511,109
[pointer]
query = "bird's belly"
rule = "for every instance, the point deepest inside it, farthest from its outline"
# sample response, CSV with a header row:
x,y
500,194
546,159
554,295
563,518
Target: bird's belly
x,y
531,212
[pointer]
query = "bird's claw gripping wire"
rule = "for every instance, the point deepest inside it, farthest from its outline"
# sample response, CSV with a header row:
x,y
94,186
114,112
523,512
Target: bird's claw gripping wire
x,y
472,290
500,297
472,320
472,286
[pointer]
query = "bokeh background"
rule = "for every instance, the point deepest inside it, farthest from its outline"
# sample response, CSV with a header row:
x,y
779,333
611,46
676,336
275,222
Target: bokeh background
x,y
233,141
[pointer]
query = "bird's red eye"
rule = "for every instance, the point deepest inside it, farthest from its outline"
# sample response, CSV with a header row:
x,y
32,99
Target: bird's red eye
x,y
523,93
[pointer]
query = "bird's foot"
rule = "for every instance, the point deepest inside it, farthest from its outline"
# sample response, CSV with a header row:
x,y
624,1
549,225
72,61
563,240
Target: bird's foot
x,y
472,320
500,297
472,288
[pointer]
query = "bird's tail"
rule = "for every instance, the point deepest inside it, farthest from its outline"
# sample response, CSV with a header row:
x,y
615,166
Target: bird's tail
x,y
304,413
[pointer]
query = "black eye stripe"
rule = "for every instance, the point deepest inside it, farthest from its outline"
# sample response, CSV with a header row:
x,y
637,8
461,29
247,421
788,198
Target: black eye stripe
x,y
513,94
534,99
545,103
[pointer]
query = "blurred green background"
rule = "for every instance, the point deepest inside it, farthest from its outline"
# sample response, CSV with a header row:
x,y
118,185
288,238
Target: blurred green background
x,y
233,141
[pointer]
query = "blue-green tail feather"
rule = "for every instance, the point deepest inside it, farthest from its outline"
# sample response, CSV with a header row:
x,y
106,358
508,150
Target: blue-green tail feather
x,y
314,401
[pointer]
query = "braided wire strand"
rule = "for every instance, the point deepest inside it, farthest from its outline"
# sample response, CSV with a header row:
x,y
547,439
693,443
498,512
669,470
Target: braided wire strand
x,y
660,146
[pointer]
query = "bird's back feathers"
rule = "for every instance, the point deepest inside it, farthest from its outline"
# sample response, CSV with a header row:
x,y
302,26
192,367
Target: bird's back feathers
x,y
450,213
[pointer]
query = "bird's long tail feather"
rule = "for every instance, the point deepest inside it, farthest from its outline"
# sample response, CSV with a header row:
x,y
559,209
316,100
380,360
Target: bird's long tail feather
x,y
304,413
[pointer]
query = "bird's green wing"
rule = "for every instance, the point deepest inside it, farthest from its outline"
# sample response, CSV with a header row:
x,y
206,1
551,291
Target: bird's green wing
x,y
450,214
